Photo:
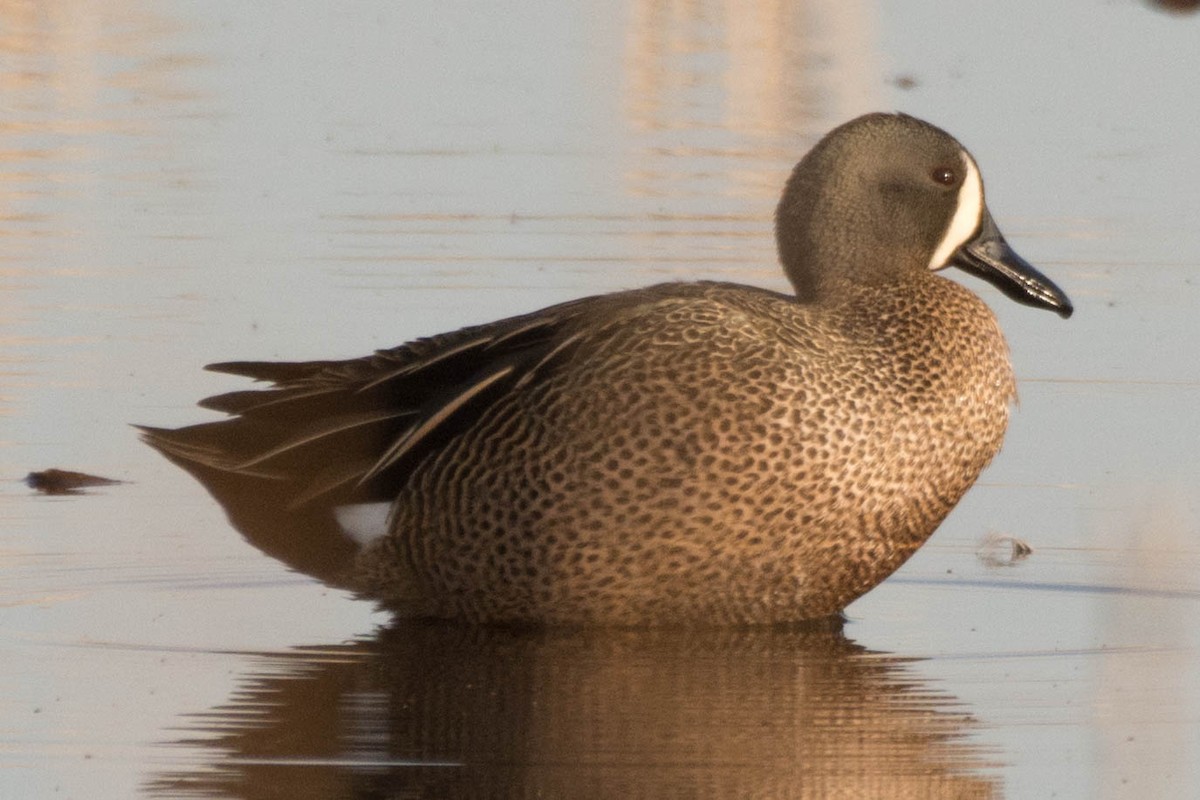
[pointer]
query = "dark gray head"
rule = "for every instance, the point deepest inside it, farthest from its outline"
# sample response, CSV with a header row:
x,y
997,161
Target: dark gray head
x,y
887,194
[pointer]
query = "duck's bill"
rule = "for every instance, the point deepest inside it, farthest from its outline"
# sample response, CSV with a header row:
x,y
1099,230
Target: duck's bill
x,y
988,256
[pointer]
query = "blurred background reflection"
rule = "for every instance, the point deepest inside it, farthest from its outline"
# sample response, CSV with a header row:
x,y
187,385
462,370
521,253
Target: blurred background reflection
x,y
186,182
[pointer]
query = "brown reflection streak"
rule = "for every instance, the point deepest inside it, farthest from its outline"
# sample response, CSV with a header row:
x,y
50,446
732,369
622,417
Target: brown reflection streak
x,y
780,64
442,711
781,71
76,78
764,48
769,51
58,66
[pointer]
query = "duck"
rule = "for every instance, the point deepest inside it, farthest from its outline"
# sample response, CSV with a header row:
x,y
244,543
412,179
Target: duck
x,y
687,453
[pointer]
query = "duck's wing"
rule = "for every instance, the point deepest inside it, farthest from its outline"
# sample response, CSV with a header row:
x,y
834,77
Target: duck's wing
x,y
351,429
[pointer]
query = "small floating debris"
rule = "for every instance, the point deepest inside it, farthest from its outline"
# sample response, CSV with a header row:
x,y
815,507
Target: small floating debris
x,y
997,550
61,481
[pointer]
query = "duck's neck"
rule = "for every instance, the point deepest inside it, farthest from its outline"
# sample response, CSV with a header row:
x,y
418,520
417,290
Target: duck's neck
x,y
839,273
931,320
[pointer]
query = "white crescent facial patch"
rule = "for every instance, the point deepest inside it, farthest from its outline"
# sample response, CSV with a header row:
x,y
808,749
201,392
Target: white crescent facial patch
x,y
966,217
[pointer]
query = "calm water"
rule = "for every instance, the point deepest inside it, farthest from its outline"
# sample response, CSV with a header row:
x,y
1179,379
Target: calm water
x,y
186,182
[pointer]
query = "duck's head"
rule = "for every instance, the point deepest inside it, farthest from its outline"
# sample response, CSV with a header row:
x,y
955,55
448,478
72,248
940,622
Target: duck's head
x,y
886,195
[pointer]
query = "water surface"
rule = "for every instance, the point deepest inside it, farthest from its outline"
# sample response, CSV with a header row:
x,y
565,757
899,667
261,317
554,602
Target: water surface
x,y
182,183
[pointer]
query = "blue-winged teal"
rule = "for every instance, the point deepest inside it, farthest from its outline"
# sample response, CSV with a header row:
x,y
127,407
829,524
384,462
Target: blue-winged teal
x,y
684,453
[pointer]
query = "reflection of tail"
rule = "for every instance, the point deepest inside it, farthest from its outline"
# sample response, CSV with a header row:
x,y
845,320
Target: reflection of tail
x,y
307,538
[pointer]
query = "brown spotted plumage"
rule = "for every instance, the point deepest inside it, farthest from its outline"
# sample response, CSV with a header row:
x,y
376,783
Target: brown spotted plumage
x,y
697,453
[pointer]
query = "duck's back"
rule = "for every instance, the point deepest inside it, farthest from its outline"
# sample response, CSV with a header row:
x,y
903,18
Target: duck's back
x,y
707,452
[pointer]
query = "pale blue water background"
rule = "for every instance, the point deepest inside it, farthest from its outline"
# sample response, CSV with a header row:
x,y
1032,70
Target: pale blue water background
x,y
183,183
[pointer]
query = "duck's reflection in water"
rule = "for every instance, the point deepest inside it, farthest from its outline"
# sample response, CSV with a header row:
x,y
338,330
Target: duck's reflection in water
x,y
433,710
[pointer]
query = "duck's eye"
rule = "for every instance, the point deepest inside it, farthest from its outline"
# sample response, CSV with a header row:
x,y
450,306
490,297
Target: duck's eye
x,y
946,176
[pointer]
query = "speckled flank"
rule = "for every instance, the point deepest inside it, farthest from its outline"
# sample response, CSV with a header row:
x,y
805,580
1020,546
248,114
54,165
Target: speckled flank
x,y
696,453
705,459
